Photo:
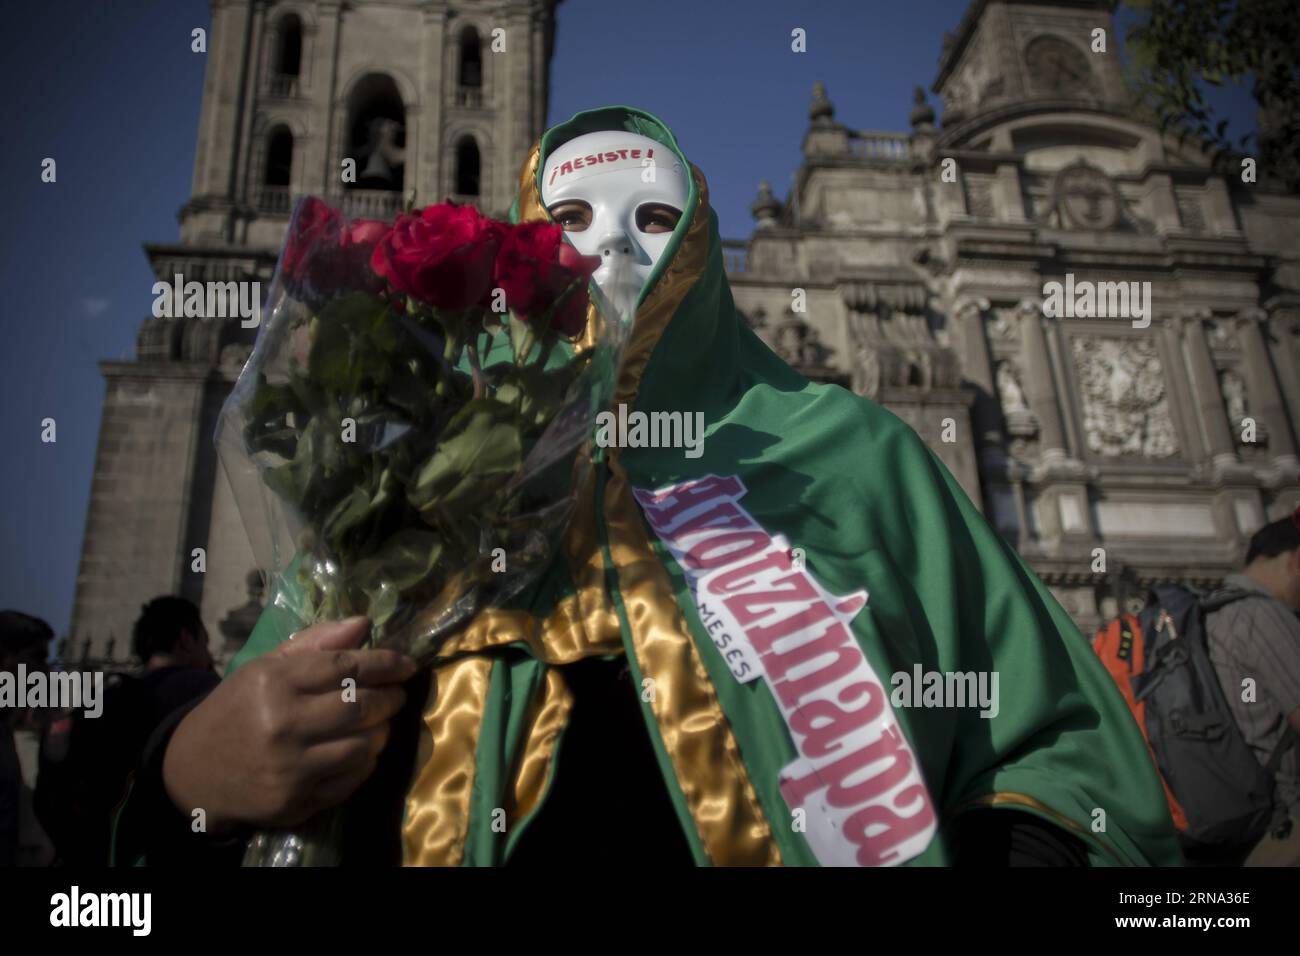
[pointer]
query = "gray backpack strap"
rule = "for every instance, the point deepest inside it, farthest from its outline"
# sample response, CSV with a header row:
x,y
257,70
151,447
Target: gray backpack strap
x,y
1286,743
1224,596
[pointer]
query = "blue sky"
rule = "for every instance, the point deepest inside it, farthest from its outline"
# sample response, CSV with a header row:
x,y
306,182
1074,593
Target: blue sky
x,y
111,91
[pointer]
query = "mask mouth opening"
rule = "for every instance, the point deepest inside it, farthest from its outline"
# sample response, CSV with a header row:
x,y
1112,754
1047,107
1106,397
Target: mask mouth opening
x,y
618,290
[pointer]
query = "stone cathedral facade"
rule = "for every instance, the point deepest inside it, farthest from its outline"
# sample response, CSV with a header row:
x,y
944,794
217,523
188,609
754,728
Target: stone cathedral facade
x,y
909,267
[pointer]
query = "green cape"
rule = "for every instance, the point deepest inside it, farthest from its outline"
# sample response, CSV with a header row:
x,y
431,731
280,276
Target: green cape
x,y
869,507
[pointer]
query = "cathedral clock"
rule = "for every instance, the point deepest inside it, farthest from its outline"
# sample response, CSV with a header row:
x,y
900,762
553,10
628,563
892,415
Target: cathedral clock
x,y
1057,66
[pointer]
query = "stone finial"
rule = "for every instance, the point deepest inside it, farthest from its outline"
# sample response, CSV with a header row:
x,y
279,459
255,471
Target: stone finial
x,y
766,207
922,114
821,109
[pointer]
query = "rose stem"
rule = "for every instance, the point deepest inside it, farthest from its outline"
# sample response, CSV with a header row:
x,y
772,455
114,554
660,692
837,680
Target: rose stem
x,y
471,349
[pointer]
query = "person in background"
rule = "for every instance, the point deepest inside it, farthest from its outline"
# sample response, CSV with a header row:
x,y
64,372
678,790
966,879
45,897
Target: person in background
x,y
87,763
1257,639
24,640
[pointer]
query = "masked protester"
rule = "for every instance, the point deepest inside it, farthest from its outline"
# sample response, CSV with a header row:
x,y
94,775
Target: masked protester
x,y
715,670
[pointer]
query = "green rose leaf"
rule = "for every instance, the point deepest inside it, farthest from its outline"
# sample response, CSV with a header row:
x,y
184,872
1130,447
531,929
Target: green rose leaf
x,y
354,336
404,560
480,448
345,516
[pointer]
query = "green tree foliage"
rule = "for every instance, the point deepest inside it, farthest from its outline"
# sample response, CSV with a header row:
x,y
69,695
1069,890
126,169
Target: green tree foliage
x,y
1177,46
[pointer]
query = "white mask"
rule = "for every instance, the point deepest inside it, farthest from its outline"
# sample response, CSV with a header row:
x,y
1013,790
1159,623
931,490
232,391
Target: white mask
x,y
616,173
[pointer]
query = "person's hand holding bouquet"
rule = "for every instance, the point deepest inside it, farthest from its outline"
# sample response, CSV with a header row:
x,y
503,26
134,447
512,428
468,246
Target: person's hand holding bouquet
x,y
276,743
403,445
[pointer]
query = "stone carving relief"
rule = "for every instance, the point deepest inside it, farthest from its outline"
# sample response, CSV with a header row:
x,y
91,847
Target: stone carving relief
x,y
1083,196
1087,198
1009,390
799,344
1236,403
1234,395
1125,405
1219,334
979,196
1003,327
956,100
895,344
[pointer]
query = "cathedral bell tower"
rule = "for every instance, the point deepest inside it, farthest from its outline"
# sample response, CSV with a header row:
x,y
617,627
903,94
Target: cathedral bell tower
x,y
427,99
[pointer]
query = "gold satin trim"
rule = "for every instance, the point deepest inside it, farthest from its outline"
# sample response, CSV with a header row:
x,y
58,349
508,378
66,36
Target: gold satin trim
x,y
438,800
532,210
1006,798
551,715
703,751
583,624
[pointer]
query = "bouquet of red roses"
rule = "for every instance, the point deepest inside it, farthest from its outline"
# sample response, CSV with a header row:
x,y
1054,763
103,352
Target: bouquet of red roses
x,y
404,440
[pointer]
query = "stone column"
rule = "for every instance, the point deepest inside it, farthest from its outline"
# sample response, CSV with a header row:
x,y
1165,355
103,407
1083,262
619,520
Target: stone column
x,y
212,157
320,175
1164,208
244,181
1265,396
1285,326
428,177
1010,199
1039,382
977,362
1182,394
1205,385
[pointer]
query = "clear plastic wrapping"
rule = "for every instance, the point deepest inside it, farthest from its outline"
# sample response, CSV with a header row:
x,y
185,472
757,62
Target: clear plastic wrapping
x,y
414,459
405,441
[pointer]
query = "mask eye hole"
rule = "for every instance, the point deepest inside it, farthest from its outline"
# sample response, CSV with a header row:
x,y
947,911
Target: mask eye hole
x,y
657,217
573,215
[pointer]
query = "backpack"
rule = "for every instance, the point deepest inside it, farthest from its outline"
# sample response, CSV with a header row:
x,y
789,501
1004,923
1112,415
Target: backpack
x,y
1220,797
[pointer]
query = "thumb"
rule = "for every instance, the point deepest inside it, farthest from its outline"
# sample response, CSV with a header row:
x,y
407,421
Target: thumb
x,y
329,636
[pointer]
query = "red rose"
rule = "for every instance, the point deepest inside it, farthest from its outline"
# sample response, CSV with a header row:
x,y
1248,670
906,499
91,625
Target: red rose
x,y
325,256
443,255
535,266
347,266
314,223
364,232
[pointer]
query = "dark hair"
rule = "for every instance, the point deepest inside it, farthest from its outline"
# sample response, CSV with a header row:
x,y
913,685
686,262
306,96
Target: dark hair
x,y
19,631
1276,538
159,626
